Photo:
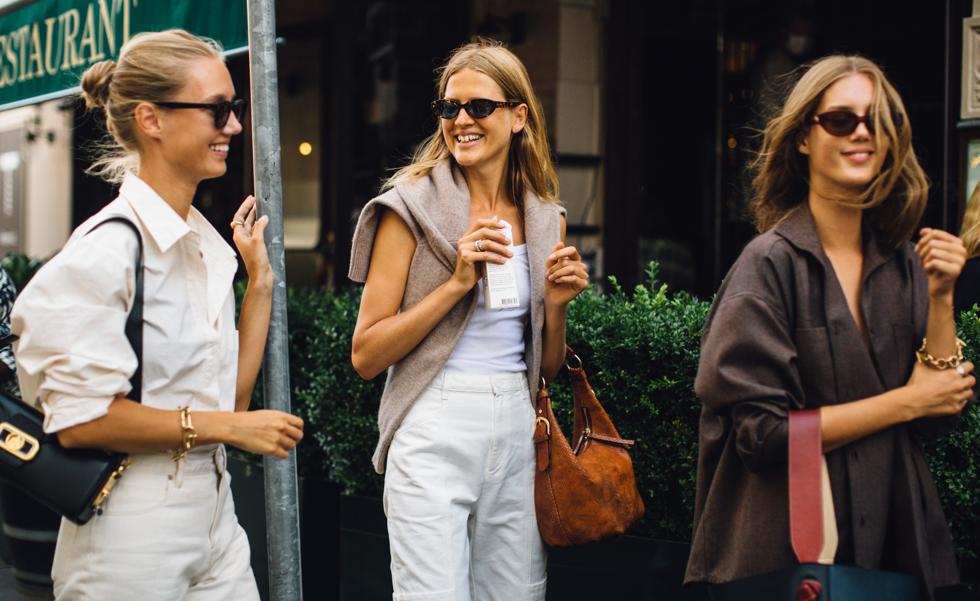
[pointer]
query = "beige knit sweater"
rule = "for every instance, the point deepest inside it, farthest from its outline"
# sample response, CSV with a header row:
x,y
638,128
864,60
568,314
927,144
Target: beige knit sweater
x,y
437,208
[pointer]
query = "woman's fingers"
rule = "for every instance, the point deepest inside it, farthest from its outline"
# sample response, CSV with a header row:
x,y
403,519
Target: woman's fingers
x,y
244,209
570,269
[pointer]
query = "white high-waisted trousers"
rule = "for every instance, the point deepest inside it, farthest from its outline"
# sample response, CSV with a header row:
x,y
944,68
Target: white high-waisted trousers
x,y
168,533
459,494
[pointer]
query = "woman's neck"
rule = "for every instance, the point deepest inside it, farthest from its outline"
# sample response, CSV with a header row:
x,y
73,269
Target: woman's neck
x,y
838,225
172,188
487,187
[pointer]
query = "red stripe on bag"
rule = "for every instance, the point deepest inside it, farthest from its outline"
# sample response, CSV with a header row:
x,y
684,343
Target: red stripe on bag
x,y
805,500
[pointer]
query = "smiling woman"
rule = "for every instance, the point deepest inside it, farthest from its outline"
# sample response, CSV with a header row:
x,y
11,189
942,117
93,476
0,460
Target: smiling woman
x,y
168,530
456,416
833,311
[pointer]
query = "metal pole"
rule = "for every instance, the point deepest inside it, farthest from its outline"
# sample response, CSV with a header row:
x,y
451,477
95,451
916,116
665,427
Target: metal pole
x,y
281,497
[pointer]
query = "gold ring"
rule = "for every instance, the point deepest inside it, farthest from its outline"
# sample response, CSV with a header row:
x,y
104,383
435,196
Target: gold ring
x,y
236,223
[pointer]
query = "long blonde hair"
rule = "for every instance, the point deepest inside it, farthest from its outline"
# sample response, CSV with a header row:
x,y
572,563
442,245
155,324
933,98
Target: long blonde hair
x,y
894,200
970,231
152,66
529,165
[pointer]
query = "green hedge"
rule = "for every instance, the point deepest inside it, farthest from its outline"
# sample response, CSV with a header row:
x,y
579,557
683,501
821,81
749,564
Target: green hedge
x,y
640,350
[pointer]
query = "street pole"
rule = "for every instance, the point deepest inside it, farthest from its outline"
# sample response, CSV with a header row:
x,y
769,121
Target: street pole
x,y
281,498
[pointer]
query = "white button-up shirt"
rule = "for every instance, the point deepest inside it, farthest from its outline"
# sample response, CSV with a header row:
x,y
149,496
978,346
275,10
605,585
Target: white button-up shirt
x,y
73,356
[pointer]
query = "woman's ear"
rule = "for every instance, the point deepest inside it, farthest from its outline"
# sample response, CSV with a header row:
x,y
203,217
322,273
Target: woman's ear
x,y
147,120
520,118
802,144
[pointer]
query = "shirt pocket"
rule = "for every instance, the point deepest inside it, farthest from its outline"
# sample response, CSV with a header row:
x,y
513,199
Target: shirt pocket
x,y
815,365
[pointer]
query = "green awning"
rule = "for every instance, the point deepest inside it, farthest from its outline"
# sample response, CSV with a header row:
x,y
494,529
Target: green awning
x,y
47,44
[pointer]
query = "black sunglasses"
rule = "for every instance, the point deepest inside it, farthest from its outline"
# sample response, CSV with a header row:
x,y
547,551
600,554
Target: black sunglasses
x,y
478,108
221,110
843,123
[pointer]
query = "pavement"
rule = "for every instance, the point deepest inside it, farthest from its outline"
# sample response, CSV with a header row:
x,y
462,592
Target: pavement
x,y
8,587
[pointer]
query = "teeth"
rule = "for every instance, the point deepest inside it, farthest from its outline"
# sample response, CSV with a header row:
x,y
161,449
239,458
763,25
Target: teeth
x,y
219,147
468,138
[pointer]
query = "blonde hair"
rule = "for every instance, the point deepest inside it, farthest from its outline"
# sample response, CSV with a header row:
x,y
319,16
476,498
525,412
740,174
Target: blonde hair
x,y
151,66
970,231
894,200
529,165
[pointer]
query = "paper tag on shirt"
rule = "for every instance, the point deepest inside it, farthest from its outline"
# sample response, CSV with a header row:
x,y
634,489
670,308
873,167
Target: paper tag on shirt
x,y
500,281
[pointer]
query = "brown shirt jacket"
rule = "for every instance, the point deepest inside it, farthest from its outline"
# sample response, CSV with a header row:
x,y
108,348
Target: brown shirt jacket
x,y
780,337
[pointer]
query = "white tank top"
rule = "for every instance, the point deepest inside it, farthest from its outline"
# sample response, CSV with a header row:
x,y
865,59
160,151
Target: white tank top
x,y
493,341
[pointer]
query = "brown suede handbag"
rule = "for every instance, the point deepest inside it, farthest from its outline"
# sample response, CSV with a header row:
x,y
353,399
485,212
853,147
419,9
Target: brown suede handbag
x,y
586,493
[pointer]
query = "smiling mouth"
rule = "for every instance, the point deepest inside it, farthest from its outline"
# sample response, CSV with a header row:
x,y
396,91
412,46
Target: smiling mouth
x,y
468,138
219,148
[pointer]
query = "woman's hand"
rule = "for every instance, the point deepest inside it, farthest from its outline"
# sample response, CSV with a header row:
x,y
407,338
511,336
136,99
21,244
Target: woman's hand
x,y
265,432
942,255
939,392
566,276
249,237
484,242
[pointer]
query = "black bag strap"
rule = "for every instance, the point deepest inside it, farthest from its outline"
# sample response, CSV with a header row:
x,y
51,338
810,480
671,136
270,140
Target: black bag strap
x,y
134,321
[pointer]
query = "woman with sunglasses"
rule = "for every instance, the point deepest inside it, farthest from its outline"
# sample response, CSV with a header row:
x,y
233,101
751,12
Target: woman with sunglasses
x,y
168,530
456,416
832,308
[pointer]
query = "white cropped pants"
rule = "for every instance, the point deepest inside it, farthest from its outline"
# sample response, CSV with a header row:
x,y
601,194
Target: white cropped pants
x,y
168,533
459,494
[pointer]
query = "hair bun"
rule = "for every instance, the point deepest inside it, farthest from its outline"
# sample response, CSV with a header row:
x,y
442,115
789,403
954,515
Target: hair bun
x,y
95,83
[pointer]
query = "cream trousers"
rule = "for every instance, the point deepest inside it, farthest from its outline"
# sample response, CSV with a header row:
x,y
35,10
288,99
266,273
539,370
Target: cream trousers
x,y
459,494
168,533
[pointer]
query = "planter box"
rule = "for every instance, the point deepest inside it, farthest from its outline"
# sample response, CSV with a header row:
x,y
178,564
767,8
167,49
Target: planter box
x,y
631,567
318,528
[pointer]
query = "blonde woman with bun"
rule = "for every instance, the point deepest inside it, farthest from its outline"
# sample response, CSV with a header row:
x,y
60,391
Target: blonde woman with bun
x,y
168,531
968,286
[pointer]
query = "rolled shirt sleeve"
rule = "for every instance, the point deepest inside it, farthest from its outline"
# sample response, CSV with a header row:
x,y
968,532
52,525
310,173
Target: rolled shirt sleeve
x,y
73,356
748,371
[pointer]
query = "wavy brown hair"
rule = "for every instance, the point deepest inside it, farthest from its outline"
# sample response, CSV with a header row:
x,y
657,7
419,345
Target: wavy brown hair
x,y
894,200
529,166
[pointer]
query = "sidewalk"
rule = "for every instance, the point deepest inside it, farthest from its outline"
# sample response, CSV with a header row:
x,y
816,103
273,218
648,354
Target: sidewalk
x,y
8,586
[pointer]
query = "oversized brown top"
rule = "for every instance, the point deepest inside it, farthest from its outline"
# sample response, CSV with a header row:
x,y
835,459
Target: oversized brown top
x,y
780,337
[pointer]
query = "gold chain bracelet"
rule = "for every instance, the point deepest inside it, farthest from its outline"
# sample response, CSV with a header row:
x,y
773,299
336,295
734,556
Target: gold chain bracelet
x,y
188,435
951,362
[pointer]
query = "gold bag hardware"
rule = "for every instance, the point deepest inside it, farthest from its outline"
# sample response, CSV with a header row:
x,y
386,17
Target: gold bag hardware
x,y
13,440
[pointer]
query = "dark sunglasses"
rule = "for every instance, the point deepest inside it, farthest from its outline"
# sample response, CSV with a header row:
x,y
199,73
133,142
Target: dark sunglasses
x,y
221,110
478,108
843,123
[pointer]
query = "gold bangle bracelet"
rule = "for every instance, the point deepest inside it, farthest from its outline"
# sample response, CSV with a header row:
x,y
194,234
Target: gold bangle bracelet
x,y
188,435
951,362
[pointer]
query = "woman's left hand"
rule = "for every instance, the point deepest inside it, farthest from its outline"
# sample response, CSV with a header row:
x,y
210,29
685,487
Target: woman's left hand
x,y
942,255
566,276
249,237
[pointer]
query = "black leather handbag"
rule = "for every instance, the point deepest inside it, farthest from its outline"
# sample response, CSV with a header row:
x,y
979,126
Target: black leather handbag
x,y
72,482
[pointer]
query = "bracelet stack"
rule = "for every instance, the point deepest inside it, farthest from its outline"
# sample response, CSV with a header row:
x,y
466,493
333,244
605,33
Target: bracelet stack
x,y
188,436
951,362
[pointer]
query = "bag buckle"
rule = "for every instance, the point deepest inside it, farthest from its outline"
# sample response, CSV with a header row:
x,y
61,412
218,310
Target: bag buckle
x,y
13,440
107,487
547,424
